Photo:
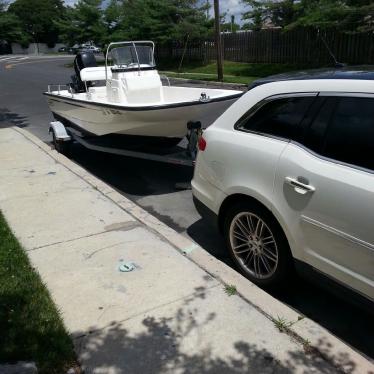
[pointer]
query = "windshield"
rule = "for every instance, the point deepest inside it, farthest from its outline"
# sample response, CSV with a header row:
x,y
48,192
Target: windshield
x,y
129,56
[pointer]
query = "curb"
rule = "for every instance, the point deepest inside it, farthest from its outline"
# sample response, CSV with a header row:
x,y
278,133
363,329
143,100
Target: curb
x,y
312,336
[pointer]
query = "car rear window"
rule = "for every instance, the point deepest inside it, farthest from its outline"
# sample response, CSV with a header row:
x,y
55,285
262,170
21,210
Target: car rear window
x,y
278,117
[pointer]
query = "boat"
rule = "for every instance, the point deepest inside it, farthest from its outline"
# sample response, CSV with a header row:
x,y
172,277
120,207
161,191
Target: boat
x,y
128,97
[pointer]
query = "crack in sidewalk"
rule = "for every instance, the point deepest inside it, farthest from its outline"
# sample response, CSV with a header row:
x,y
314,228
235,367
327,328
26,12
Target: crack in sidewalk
x,y
130,225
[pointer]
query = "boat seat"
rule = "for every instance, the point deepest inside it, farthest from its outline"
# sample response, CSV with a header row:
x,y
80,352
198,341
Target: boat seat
x,y
96,73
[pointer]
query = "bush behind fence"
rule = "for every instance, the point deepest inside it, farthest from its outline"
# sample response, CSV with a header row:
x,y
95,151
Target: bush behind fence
x,y
301,46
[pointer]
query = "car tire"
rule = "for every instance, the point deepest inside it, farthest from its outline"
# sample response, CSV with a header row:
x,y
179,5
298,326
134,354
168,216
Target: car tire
x,y
258,245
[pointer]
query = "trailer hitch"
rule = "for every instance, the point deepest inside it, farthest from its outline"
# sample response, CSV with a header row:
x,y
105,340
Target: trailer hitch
x,y
193,135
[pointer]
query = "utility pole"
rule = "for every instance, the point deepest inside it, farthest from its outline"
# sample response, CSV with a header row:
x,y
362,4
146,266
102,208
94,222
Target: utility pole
x,y
218,41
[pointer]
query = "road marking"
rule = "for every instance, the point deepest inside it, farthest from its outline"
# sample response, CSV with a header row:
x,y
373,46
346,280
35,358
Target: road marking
x,y
12,59
21,58
8,58
9,66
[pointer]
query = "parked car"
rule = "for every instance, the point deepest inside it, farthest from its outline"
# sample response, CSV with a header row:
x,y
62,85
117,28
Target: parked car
x,y
287,176
69,50
91,48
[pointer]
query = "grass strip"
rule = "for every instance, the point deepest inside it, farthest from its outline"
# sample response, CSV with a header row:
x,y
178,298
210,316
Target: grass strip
x,y
234,72
31,328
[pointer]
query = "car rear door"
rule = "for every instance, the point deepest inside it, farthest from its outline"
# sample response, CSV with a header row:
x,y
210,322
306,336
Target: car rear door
x,y
324,190
251,154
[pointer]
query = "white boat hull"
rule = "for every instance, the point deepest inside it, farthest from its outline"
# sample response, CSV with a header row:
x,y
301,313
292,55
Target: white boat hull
x,y
167,120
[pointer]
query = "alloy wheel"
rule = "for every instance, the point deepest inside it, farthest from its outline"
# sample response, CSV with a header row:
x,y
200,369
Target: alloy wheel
x,y
253,245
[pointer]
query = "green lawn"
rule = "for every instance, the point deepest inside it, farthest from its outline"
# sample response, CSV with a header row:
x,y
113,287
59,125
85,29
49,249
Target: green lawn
x,y
30,326
234,72
244,69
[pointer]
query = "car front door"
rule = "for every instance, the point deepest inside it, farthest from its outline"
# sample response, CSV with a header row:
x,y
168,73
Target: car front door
x,y
324,190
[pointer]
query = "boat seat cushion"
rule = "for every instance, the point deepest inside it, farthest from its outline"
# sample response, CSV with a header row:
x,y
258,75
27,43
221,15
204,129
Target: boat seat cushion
x,y
96,73
142,82
142,88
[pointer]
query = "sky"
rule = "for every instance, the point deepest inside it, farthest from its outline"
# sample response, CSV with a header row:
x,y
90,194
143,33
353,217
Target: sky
x,y
232,7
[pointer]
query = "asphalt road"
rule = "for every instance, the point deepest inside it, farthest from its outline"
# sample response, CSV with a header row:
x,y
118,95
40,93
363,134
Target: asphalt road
x,y
152,186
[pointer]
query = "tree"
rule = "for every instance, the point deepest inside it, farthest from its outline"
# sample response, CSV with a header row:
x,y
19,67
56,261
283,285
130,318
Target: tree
x,y
255,18
159,20
343,15
262,12
37,18
114,16
83,22
10,27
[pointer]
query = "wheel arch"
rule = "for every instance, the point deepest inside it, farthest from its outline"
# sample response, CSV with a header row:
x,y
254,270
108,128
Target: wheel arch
x,y
240,197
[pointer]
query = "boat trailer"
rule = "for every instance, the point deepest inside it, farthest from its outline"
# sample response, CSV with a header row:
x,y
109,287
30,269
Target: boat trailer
x,y
63,136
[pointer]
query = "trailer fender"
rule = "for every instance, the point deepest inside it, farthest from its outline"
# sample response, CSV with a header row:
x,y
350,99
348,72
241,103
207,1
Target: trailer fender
x,y
59,131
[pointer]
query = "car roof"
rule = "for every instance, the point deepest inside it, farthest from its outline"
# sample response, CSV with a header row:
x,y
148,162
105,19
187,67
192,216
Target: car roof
x,y
363,72
273,89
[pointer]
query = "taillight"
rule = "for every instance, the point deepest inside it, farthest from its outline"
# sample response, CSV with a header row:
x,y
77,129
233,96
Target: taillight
x,y
202,144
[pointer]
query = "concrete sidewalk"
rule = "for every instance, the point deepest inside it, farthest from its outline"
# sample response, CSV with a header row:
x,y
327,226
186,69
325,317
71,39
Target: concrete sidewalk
x,y
168,315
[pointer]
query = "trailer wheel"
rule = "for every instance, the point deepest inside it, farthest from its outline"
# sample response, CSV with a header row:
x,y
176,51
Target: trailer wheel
x,y
63,147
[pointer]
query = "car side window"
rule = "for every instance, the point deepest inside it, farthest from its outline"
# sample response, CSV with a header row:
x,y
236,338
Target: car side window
x,y
350,134
315,134
278,117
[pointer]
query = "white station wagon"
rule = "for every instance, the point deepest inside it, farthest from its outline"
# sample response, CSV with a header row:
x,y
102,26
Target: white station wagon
x,y
287,175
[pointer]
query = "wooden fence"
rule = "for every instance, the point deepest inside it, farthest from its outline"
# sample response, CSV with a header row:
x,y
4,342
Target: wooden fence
x,y
276,46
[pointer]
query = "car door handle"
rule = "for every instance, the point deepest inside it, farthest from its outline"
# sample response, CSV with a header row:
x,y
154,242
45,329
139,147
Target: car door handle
x,y
299,187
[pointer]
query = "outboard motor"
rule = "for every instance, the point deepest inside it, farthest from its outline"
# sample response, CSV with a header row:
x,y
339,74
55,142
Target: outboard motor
x,y
81,61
